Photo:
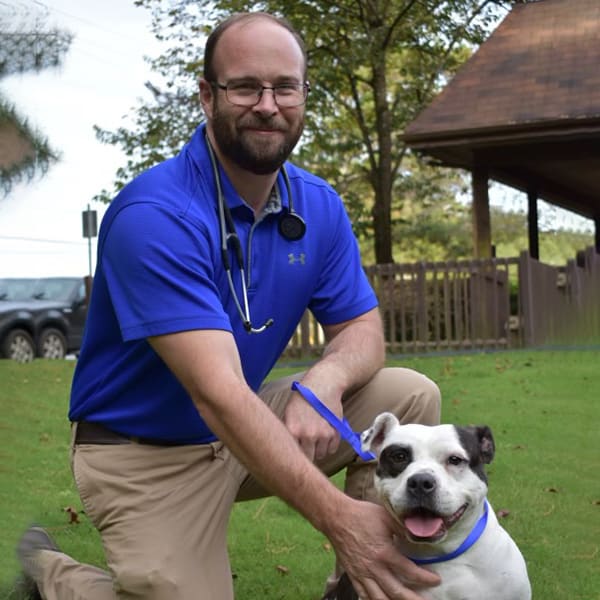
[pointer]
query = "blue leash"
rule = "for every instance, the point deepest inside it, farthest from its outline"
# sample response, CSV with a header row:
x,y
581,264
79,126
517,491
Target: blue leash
x,y
340,425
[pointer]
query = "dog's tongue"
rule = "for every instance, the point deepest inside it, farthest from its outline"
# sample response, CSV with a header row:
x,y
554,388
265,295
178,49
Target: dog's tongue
x,y
423,526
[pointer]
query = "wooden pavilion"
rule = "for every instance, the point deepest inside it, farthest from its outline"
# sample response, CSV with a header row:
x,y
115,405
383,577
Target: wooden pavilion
x,y
525,111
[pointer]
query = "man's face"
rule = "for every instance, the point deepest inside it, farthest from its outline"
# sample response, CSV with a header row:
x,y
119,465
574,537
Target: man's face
x,y
260,138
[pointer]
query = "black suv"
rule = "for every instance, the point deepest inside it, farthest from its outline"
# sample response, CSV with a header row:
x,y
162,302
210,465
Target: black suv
x,y
41,317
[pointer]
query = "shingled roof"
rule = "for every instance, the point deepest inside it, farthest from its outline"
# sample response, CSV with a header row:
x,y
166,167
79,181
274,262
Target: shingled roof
x,y
526,106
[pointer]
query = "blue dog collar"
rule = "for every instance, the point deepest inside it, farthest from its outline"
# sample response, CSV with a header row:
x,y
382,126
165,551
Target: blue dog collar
x,y
475,534
340,425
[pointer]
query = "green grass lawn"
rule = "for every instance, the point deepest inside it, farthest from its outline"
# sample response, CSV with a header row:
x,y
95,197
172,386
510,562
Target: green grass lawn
x,y
543,407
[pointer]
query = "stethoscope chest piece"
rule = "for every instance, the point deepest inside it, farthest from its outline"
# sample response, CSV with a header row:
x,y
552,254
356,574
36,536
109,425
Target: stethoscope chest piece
x,y
292,226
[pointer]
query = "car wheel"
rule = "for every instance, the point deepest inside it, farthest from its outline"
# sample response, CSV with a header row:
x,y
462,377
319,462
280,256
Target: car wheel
x,y
52,344
18,345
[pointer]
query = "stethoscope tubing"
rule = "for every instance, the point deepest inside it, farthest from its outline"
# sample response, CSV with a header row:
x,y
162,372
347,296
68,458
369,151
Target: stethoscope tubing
x,y
229,235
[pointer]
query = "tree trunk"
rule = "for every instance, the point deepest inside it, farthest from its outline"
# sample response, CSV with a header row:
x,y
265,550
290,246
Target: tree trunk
x,y
382,176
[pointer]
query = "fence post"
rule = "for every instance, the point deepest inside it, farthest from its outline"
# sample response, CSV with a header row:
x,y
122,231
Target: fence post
x,y
526,297
422,308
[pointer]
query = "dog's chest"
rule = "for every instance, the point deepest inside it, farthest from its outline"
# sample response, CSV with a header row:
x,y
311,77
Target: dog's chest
x,y
493,568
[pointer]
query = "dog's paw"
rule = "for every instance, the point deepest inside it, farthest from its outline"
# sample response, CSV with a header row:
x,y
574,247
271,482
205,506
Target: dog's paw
x,y
342,591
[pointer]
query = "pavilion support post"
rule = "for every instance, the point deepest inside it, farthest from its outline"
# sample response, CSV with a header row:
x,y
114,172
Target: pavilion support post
x,y
597,233
532,222
482,231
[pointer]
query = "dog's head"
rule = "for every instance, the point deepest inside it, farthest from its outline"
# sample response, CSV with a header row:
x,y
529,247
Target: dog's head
x,y
431,479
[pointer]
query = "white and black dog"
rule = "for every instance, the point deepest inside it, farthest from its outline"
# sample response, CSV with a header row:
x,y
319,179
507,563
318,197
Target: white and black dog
x,y
432,481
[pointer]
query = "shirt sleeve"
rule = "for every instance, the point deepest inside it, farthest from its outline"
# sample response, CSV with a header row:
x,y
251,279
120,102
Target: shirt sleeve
x,y
159,269
343,291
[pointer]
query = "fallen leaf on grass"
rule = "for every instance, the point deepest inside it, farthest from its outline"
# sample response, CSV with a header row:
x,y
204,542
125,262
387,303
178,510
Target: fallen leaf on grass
x,y
327,546
283,570
552,490
502,513
73,515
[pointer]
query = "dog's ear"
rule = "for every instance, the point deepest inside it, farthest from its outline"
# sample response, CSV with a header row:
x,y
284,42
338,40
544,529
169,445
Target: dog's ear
x,y
486,443
479,444
373,438
482,444
487,448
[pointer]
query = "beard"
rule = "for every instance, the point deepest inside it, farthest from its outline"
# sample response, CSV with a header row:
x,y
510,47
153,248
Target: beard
x,y
260,157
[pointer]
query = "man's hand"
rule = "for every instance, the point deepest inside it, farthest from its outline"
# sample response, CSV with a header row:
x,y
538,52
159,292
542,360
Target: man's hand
x,y
355,351
312,432
363,541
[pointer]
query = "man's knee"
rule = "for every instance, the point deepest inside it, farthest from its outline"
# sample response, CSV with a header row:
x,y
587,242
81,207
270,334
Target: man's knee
x,y
410,395
163,580
153,582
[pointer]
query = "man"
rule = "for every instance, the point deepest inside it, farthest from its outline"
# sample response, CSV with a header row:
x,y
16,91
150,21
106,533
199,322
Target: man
x,y
172,422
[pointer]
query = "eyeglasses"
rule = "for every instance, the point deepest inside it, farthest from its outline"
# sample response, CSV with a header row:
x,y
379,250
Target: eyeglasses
x,y
286,95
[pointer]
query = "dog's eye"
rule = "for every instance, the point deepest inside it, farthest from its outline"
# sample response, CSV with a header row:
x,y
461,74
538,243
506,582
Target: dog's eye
x,y
399,456
455,461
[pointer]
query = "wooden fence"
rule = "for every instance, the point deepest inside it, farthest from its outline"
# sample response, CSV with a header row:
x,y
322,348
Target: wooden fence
x,y
560,304
494,303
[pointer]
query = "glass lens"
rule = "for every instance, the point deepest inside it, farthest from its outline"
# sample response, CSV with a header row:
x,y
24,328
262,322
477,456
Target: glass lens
x,y
289,95
243,94
246,94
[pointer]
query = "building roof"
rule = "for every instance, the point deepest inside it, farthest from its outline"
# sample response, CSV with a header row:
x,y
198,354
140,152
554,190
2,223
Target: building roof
x,y
526,106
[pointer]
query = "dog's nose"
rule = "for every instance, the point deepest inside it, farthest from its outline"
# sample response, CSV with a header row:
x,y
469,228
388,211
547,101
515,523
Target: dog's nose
x,y
421,484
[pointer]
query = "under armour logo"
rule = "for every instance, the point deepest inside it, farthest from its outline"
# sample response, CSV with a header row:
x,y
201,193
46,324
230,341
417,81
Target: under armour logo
x,y
297,258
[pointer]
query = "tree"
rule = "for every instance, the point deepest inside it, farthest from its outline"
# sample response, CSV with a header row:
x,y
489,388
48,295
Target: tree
x,y
25,45
374,65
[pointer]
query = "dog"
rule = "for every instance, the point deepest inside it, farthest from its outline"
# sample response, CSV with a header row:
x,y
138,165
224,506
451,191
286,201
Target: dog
x,y
433,483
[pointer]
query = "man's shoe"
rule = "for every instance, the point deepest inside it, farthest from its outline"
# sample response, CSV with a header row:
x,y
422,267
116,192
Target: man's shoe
x,y
33,541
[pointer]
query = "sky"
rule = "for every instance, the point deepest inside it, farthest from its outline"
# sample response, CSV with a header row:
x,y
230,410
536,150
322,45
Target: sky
x,y
101,80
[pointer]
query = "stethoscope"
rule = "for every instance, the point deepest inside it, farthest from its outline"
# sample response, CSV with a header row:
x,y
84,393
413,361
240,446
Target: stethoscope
x,y
291,227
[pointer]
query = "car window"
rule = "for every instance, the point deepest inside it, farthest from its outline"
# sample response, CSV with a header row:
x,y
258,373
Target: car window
x,y
17,289
81,295
59,289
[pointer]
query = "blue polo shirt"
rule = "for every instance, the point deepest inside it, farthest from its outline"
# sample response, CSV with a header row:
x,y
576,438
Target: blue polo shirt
x,y
159,271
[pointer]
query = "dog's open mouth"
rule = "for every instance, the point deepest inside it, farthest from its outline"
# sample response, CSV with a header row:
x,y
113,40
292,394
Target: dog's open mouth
x,y
424,525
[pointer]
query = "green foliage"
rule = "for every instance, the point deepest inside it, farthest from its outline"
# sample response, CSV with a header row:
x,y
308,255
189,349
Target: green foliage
x,y
35,161
27,45
557,246
542,408
373,66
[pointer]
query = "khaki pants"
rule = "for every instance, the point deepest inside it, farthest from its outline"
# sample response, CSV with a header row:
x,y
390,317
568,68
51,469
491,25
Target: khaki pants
x,y
162,512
